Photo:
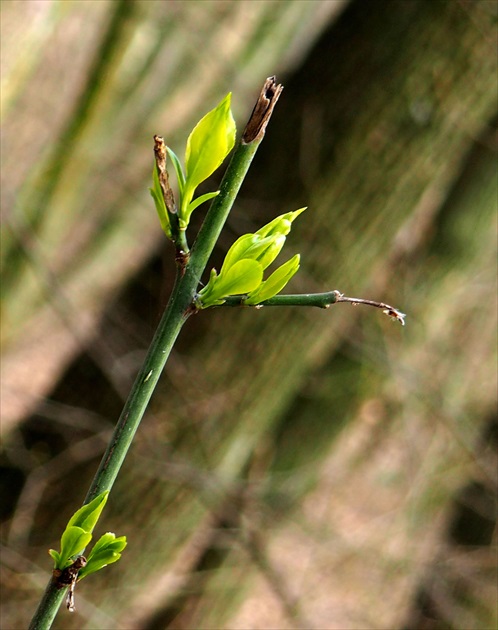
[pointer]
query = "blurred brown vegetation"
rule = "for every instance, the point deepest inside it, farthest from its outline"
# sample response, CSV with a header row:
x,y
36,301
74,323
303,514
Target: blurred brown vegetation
x,y
297,468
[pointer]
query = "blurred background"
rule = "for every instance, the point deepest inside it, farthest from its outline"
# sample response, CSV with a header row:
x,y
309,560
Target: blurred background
x,y
297,468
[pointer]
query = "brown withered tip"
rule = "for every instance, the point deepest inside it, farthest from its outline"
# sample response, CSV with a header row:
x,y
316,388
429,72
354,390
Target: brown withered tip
x,y
159,148
262,111
160,156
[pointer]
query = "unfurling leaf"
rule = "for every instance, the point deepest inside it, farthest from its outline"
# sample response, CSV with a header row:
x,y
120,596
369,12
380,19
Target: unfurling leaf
x,y
210,142
247,258
275,283
200,200
254,247
73,541
242,277
180,175
88,515
105,551
281,224
157,195
78,532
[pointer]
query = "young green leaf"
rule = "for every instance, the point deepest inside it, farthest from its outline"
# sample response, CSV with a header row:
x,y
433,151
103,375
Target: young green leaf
x,y
262,248
281,224
239,249
275,242
180,175
105,551
200,200
210,142
275,283
87,516
252,246
73,541
244,276
157,195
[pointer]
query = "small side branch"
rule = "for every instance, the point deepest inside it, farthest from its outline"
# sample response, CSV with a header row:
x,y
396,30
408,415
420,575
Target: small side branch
x,y
321,300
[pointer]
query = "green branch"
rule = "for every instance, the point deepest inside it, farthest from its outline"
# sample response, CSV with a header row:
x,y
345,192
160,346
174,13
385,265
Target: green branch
x,y
249,256
321,300
176,313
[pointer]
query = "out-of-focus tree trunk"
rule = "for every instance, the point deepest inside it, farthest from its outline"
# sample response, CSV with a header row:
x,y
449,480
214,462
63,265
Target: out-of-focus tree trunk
x,y
317,452
374,132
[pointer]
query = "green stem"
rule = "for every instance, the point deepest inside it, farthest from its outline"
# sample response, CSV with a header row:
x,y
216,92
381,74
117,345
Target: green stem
x,y
173,318
221,205
322,300
176,313
48,607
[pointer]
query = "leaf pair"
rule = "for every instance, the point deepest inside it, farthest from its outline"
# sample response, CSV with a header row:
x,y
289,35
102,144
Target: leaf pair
x,y
78,534
245,262
210,142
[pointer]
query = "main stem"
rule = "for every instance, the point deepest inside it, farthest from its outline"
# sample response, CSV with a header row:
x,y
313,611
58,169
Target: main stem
x,y
175,315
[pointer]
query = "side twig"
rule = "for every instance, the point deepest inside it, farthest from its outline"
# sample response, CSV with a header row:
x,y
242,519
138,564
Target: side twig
x,y
321,300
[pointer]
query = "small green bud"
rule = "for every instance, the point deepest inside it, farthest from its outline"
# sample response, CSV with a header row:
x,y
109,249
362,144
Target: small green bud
x,y
254,247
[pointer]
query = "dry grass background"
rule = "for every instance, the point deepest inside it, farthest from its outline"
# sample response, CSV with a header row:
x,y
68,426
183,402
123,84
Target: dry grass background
x,y
297,468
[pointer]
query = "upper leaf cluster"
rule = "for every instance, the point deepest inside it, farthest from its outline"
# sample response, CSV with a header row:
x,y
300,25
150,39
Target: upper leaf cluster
x,y
242,272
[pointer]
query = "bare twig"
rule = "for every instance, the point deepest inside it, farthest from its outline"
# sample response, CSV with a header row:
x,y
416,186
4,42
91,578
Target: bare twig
x,y
386,308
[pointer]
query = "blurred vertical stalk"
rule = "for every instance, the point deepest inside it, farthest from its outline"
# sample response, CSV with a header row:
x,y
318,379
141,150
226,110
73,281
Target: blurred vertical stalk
x,y
35,217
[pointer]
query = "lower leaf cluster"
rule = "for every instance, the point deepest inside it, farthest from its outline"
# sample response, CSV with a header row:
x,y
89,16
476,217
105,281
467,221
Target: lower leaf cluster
x,y
78,535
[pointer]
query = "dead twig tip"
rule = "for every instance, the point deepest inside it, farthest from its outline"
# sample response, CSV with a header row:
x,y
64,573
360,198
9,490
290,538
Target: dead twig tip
x,y
262,111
